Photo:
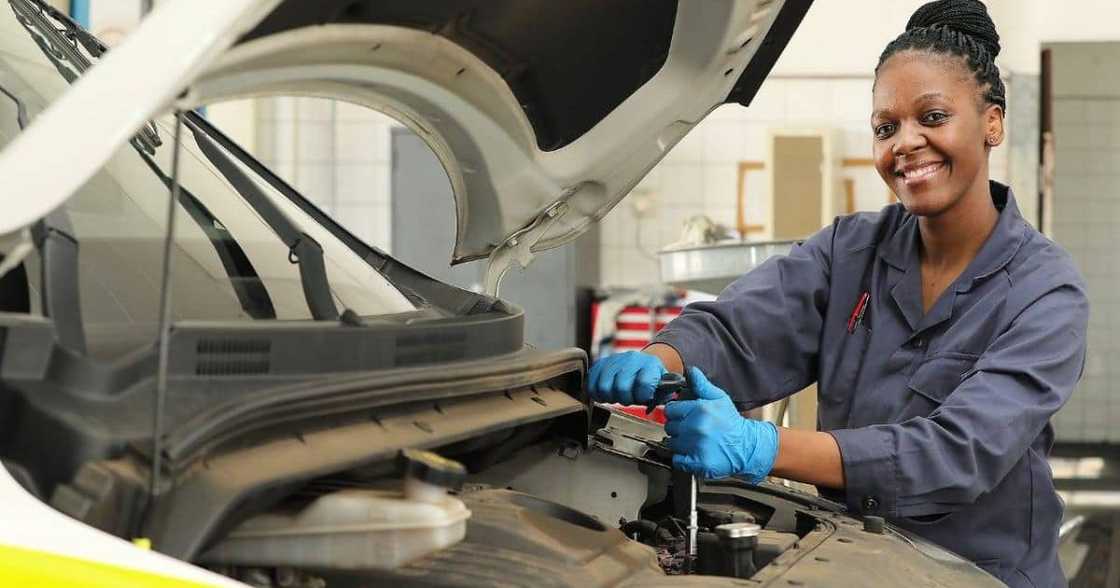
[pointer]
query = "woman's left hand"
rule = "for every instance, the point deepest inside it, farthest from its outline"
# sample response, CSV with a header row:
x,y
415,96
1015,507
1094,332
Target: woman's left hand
x,y
710,439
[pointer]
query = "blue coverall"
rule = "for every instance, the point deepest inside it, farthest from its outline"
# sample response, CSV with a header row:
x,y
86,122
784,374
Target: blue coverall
x,y
942,418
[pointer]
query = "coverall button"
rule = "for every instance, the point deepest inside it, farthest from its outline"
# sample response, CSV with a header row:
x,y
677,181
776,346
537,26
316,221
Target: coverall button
x,y
870,504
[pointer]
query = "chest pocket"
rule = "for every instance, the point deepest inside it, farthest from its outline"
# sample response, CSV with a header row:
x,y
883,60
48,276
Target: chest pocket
x,y
934,380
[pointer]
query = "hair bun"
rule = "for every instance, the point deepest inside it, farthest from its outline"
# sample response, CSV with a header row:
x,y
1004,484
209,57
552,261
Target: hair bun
x,y
969,17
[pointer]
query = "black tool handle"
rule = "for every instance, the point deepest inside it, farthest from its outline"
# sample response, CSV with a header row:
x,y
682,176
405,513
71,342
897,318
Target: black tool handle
x,y
671,383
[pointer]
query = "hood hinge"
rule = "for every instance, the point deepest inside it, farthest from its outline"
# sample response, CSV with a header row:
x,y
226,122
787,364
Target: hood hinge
x,y
518,247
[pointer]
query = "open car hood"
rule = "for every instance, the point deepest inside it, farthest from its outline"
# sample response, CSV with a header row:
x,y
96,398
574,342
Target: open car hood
x,y
544,114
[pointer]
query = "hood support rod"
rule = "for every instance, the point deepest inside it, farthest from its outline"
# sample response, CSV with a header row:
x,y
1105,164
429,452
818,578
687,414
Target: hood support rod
x,y
165,315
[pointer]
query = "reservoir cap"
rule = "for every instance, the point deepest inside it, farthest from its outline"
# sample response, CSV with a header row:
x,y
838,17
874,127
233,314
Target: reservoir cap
x,y
738,530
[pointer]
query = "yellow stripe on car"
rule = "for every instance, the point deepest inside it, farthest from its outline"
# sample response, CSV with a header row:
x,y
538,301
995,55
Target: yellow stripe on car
x,y
29,568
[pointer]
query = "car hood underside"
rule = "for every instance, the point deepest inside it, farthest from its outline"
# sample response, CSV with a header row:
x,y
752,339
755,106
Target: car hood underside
x,y
543,114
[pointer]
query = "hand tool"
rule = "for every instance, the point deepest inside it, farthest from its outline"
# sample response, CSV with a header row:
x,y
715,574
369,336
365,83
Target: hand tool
x,y
670,385
674,383
693,523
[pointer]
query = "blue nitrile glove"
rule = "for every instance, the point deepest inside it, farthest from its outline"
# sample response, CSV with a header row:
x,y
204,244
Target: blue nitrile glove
x,y
710,439
625,378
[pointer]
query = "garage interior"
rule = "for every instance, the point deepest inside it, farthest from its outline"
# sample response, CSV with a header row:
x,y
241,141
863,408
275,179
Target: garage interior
x,y
744,184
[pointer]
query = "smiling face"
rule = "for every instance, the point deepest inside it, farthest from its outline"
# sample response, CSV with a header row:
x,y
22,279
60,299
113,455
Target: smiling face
x,y
931,132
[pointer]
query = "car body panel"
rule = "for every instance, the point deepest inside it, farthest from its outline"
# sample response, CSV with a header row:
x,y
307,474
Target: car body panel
x,y
513,198
80,131
77,553
262,415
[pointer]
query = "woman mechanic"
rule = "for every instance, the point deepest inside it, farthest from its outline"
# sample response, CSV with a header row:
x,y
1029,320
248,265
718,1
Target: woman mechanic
x,y
942,332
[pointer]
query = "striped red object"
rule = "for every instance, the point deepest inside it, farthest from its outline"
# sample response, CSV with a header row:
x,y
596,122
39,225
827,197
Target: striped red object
x,y
633,325
632,332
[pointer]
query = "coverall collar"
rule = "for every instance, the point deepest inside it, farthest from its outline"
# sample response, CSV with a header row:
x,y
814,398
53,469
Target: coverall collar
x,y
900,251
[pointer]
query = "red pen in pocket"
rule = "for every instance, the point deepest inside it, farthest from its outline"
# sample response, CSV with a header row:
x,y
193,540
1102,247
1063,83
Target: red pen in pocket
x,y
858,312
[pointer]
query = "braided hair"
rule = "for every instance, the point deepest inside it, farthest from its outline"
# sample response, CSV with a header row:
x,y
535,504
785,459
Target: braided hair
x,y
956,27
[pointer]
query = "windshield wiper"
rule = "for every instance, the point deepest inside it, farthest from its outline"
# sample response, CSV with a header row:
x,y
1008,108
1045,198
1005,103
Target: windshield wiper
x,y
243,277
302,248
250,292
61,48
58,248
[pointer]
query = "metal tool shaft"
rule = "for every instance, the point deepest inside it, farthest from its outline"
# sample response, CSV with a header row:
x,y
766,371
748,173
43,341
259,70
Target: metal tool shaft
x,y
693,522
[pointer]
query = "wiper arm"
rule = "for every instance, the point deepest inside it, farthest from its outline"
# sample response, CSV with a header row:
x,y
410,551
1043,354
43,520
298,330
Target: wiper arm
x,y
61,47
243,277
72,31
303,249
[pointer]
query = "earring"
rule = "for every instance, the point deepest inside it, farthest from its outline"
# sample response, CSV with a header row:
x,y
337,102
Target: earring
x,y
992,141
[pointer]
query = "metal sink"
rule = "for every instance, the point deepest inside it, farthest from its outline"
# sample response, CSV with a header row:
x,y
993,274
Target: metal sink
x,y
710,268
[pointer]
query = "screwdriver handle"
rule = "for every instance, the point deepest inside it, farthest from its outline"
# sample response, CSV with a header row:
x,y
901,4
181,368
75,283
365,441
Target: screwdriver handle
x,y
671,383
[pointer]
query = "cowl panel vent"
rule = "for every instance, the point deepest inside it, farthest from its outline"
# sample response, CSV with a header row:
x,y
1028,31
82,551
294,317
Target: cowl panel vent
x,y
233,357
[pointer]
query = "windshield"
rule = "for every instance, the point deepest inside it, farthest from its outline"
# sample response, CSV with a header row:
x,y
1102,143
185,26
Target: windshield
x,y
235,258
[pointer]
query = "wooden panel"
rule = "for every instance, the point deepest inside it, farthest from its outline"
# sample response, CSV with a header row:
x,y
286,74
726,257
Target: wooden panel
x,y
798,186
741,200
849,195
849,183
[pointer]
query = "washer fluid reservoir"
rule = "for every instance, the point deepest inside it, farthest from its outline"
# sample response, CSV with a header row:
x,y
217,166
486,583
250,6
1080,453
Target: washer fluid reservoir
x,y
356,529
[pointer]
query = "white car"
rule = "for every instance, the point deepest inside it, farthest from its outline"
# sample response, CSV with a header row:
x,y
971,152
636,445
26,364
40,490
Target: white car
x,y
275,441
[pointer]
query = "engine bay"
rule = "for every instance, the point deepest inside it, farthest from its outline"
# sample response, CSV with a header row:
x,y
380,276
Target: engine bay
x,y
554,513
518,539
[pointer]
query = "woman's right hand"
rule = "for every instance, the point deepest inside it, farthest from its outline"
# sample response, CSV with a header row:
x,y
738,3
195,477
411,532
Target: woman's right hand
x,y
625,378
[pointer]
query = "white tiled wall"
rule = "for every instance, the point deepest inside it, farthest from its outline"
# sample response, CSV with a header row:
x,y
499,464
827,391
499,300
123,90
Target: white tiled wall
x,y
1086,213
699,176
336,154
